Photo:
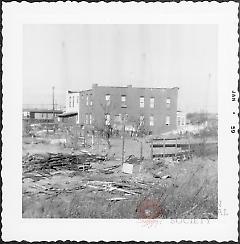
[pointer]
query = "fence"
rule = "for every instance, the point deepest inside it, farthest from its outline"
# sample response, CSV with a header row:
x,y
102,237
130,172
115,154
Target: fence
x,y
170,147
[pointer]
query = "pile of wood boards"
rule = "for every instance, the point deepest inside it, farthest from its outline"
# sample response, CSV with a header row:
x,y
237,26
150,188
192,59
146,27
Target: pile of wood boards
x,y
56,161
126,188
133,160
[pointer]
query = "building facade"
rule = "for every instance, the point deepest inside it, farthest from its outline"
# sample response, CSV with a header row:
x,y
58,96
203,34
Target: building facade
x,y
181,121
40,115
155,109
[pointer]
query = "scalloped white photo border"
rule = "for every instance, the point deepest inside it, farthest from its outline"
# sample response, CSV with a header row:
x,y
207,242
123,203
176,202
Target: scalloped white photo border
x,y
15,15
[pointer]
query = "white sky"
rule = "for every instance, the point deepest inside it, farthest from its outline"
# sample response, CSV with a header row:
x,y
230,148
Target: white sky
x,y
75,56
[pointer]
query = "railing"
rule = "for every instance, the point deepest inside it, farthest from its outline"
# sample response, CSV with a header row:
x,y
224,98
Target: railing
x,y
176,145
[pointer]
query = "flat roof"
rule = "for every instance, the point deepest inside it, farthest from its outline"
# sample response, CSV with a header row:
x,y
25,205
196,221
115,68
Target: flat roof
x,y
68,114
125,87
163,88
69,91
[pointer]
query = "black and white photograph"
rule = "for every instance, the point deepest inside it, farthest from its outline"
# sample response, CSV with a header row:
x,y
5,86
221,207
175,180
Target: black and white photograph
x,y
120,121
112,122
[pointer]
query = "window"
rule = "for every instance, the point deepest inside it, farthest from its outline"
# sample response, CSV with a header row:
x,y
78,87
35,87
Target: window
x,y
70,100
77,99
141,102
91,102
107,98
73,101
118,118
107,119
123,101
151,120
167,120
178,121
86,119
87,100
152,102
123,98
168,102
90,119
141,119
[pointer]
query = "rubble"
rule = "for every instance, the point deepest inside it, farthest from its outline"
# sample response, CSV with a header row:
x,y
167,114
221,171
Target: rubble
x,y
56,161
133,160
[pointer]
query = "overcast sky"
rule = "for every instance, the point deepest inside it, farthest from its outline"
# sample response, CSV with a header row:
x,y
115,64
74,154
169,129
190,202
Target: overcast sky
x,y
73,57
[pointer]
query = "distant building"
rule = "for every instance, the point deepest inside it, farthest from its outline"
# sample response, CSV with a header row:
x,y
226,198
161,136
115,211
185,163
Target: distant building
x,y
40,115
212,120
181,121
153,108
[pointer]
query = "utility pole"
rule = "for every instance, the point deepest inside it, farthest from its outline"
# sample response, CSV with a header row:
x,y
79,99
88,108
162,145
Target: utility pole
x,y
53,102
123,131
123,137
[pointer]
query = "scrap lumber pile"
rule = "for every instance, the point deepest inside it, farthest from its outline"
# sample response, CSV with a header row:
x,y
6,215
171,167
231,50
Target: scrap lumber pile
x,y
124,187
55,161
133,160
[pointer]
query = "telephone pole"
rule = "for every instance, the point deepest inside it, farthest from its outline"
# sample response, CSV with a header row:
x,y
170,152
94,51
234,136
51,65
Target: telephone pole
x,y
123,130
53,102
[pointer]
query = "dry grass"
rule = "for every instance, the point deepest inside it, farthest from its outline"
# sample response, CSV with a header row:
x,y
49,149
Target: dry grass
x,y
190,193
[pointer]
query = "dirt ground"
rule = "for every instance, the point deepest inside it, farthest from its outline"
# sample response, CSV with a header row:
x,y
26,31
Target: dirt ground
x,y
172,189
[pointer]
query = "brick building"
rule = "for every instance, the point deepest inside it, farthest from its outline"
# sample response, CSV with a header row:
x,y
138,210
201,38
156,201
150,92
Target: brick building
x,y
155,109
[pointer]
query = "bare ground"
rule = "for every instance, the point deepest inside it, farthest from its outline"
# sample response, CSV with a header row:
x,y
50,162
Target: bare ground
x,y
186,189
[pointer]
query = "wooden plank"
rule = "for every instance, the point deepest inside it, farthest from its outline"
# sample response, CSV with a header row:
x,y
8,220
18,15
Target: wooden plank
x,y
164,147
166,139
151,150
170,145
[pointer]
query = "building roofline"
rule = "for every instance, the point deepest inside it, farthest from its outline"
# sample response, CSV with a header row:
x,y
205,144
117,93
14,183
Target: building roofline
x,y
69,91
129,86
